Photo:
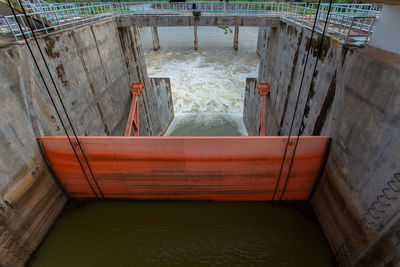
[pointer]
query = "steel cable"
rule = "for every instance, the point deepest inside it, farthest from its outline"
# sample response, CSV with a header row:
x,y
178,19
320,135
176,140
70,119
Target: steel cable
x,y
295,110
300,131
59,98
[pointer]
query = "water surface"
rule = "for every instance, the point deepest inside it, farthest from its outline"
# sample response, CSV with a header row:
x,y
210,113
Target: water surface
x,y
207,85
206,124
119,233
208,88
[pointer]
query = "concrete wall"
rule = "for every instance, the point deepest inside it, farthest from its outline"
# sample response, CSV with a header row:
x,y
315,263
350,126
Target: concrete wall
x,y
252,107
93,67
386,34
155,104
163,105
354,98
207,20
260,40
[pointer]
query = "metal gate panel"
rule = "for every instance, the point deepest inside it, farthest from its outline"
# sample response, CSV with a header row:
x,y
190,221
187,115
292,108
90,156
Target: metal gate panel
x,y
187,168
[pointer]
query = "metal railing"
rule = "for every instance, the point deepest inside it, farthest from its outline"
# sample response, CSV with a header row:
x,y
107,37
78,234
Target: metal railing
x,y
55,17
4,28
350,27
351,23
349,8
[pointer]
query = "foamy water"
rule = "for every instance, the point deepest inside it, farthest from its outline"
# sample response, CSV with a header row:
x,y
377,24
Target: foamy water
x,y
207,124
208,81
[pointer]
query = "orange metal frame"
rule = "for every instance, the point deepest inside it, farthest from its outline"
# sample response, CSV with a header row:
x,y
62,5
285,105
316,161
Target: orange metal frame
x,y
263,91
133,118
188,168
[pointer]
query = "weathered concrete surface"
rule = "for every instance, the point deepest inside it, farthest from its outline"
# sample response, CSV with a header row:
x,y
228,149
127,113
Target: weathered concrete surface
x,y
86,67
236,38
364,159
355,99
252,107
208,20
28,210
196,38
261,39
164,104
151,113
30,200
93,69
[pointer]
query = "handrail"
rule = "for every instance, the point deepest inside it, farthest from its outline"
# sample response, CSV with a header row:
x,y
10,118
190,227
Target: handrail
x,y
350,22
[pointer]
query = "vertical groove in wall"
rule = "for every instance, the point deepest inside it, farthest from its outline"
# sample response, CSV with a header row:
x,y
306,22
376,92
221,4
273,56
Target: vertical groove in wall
x,y
84,65
290,84
326,106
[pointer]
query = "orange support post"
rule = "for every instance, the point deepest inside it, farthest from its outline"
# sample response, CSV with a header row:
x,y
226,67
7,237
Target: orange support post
x,y
263,90
133,119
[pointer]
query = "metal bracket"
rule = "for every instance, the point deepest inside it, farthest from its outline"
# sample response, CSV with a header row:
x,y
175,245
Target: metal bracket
x,y
133,118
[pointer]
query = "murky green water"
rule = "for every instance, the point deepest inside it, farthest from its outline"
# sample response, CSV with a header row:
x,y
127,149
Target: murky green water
x,y
119,233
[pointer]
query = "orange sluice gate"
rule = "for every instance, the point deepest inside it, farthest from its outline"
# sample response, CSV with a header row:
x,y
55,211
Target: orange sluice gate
x,y
187,168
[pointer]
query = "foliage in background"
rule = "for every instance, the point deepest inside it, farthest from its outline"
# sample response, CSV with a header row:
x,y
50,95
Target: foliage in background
x,y
226,29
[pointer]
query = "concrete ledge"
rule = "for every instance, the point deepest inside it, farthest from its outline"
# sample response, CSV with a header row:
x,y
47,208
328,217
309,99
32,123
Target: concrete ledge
x,y
174,20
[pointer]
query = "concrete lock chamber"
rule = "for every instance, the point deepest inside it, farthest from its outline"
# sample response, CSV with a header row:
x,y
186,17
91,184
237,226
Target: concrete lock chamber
x,y
322,119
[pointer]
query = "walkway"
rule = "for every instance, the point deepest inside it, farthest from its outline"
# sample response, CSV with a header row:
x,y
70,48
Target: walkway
x,y
349,22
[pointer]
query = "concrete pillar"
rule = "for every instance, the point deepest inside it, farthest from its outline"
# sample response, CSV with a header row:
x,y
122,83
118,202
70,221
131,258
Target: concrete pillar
x,y
236,38
196,40
261,40
156,41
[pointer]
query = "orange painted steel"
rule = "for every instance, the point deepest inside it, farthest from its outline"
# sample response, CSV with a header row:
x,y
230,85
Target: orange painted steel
x,y
133,118
263,91
188,168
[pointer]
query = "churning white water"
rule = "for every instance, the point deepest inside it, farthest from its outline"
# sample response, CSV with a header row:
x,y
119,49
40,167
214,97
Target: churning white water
x,y
208,84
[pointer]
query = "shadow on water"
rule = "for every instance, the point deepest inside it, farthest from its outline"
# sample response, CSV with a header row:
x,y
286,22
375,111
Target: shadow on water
x,y
122,233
